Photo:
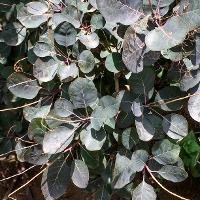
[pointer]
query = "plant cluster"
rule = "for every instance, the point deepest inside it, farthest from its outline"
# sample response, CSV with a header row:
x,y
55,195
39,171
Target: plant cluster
x,y
103,93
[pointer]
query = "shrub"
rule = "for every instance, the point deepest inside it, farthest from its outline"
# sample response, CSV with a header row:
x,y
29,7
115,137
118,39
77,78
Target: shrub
x,y
100,92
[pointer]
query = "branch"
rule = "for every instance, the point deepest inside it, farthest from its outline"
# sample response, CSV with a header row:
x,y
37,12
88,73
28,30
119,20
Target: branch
x,y
172,193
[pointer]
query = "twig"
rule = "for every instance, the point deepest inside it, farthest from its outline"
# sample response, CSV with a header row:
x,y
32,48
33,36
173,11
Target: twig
x,y
27,183
172,193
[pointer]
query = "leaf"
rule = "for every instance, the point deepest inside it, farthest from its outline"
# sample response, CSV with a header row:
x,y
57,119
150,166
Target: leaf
x,y
58,139
14,34
144,129
165,152
63,107
65,34
35,156
82,92
125,12
91,41
45,69
42,49
173,173
133,51
92,139
175,126
97,21
91,158
173,32
98,118
166,95
190,80
137,108
144,191
114,62
37,129
86,61
194,105
36,8
129,138
70,14
123,172
31,112
67,71
23,87
143,82
110,106
80,173
29,20
138,160
55,179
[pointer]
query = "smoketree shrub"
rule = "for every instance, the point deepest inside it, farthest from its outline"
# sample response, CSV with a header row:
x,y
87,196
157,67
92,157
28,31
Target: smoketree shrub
x,y
102,93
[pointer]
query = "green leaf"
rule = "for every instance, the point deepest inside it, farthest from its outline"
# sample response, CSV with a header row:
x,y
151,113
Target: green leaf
x,y
42,49
91,41
165,152
86,61
67,71
80,173
92,139
144,128
114,62
91,158
31,112
65,34
37,8
97,21
29,20
123,172
175,126
173,173
143,82
63,107
133,51
45,69
55,179
170,93
193,106
174,31
37,129
138,160
129,138
137,108
22,86
14,34
120,11
190,80
70,14
98,118
58,139
144,191
82,92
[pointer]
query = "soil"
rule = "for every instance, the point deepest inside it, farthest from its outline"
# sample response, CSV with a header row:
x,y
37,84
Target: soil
x,y
189,189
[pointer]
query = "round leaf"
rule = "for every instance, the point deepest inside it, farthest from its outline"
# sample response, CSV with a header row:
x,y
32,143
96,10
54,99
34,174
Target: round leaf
x,y
23,87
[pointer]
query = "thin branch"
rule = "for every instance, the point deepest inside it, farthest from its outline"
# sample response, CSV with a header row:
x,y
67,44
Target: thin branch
x,y
19,107
172,193
7,178
27,183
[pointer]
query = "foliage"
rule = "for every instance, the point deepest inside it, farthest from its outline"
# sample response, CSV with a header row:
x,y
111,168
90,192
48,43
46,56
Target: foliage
x,y
101,91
